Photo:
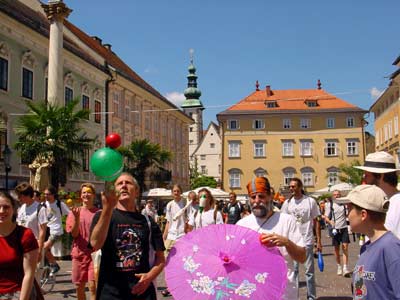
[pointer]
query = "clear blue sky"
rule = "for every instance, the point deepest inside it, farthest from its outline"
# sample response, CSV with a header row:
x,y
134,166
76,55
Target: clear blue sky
x,y
349,45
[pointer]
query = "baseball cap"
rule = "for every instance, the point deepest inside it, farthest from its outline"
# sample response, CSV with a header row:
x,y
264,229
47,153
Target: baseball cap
x,y
367,196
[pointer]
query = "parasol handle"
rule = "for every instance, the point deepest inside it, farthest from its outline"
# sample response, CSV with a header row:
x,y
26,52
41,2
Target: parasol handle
x,y
182,210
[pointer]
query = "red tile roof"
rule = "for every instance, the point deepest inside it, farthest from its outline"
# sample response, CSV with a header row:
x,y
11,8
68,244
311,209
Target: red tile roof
x,y
291,100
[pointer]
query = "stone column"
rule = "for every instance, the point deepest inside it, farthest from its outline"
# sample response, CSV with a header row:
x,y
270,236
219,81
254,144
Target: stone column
x,y
56,12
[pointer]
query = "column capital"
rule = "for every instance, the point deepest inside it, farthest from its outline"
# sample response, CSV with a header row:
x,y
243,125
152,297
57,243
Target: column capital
x,y
56,10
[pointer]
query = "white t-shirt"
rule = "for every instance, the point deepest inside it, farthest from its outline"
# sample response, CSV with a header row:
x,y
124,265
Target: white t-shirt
x,y
392,222
204,219
177,227
339,214
284,225
29,218
54,217
304,210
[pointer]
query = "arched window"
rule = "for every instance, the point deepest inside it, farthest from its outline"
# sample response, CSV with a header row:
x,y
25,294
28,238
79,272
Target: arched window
x,y
4,65
307,176
333,175
288,173
260,172
68,88
234,178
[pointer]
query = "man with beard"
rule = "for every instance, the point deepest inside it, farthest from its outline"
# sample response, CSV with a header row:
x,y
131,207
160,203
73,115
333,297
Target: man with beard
x,y
380,170
276,229
126,239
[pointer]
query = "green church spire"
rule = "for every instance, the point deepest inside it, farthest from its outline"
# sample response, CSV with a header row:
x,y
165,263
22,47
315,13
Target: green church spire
x,y
192,93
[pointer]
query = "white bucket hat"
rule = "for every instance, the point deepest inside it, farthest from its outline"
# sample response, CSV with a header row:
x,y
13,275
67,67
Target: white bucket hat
x,y
367,196
379,162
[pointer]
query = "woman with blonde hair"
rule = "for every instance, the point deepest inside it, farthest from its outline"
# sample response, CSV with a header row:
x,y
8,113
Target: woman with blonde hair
x,y
207,214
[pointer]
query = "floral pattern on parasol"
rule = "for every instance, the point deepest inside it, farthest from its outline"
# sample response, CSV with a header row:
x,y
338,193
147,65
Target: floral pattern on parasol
x,y
225,262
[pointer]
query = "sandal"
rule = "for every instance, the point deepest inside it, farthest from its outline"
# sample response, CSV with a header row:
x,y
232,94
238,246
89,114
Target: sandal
x,y
165,293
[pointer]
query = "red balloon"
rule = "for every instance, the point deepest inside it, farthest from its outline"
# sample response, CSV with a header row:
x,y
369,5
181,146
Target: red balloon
x,y
113,140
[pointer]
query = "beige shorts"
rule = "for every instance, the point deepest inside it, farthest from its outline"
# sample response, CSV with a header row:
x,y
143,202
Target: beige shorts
x,y
168,246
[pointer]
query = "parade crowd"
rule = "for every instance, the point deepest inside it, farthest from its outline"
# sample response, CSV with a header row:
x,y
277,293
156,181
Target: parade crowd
x,y
133,247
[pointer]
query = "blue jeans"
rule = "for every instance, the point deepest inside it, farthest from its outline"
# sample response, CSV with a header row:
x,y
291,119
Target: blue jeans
x,y
310,274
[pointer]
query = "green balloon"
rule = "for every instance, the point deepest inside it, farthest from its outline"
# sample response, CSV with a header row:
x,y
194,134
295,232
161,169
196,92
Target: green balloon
x,y
107,164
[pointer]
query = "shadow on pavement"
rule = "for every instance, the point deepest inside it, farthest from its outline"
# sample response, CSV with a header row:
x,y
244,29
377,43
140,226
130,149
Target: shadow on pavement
x,y
334,298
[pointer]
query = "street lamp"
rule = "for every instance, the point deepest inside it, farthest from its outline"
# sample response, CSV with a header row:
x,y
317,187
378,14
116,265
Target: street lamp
x,y
329,186
7,157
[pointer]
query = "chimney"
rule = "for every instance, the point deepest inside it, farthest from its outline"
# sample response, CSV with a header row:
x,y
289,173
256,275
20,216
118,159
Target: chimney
x,y
257,86
97,39
268,90
107,46
319,84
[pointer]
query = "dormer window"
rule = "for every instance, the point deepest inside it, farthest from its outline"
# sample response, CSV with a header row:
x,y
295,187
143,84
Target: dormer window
x,y
311,103
271,104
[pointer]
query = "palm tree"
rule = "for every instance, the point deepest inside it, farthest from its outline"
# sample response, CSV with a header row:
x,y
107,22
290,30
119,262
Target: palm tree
x,y
55,133
140,155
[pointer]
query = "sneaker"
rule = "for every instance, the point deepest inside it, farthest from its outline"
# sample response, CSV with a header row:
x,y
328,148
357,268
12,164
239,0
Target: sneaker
x,y
346,271
54,268
339,270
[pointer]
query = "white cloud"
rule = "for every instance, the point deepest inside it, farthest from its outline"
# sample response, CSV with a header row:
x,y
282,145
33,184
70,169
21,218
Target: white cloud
x,y
151,70
375,93
176,98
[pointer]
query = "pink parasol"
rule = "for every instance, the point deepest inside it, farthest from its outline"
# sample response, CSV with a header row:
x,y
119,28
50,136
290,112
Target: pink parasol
x,y
225,262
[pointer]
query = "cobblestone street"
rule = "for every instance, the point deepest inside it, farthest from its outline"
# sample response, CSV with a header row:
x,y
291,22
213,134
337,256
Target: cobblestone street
x,y
329,285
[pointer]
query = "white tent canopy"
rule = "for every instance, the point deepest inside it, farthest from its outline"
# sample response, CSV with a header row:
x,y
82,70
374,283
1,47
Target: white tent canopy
x,y
158,192
217,193
343,187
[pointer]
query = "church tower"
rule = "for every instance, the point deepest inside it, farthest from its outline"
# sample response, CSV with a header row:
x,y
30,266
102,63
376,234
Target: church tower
x,y
193,107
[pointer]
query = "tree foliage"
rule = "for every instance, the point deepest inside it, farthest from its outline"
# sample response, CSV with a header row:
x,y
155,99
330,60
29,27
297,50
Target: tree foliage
x,y
140,155
55,133
204,181
350,174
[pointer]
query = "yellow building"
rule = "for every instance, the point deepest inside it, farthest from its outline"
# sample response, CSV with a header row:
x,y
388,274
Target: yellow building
x,y
283,134
386,111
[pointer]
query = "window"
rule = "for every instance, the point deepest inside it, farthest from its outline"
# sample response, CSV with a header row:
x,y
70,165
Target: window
x,y
390,129
352,147
385,130
333,175
377,137
287,148
258,124
331,149
190,142
306,148
3,74
311,103
259,149
288,174
305,123
307,178
97,110
191,129
202,157
69,95
260,172
233,124
127,113
85,160
212,145
271,104
203,170
234,149
396,125
85,102
234,178
27,83
287,123
330,123
350,122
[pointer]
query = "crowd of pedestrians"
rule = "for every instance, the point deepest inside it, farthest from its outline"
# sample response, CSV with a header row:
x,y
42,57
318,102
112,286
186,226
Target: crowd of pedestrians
x,y
131,241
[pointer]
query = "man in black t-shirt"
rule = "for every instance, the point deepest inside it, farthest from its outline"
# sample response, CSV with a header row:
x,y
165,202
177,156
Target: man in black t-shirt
x,y
127,240
234,209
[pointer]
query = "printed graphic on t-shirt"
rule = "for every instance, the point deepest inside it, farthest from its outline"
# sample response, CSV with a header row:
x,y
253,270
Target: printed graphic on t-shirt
x,y
300,214
360,290
129,248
